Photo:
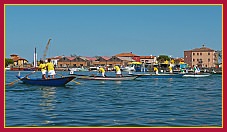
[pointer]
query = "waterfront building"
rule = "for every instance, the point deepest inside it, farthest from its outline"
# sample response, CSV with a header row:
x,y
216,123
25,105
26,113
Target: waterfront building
x,y
101,61
149,60
17,60
131,55
67,62
54,60
202,57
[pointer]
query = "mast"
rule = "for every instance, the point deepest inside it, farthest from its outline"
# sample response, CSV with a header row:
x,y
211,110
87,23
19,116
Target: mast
x,y
35,58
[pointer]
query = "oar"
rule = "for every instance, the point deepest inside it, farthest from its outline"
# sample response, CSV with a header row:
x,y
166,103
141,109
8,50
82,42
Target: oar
x,y
10,84
72,80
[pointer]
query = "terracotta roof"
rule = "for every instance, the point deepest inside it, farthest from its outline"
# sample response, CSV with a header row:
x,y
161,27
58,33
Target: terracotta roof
x,y
105,57
202,49
147,57
130,54
17,58
126,58
13,55
91,58
70,58
56,57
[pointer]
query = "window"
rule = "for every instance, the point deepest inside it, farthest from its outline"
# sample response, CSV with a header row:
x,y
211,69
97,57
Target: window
x,y
193,53
208,53
193,60
208,59
200,53
197,53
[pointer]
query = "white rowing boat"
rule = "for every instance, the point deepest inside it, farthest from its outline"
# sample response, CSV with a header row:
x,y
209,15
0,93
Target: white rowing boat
x,y
196,75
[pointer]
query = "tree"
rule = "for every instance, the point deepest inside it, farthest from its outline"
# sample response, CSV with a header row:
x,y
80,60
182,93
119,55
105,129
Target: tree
x,y
163,58
8,62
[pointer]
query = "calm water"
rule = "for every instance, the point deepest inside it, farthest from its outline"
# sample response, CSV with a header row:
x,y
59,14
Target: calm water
x,y
141,102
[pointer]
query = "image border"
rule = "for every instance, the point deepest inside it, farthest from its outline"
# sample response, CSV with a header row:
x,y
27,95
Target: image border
x,y
16,3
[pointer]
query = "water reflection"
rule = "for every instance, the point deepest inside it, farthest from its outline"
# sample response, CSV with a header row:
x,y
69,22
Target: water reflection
x,y
47,104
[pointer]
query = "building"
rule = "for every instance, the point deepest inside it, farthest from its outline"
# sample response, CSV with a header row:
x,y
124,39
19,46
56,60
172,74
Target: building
x,y
18,61
68,62
149,60
131,55
101,61
202,57
54,60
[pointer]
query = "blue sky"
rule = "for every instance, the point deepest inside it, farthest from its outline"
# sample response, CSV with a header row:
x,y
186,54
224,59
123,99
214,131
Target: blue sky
x,y
109,30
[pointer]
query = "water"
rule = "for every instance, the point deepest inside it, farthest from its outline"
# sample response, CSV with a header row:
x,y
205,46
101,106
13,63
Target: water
x,y
176,102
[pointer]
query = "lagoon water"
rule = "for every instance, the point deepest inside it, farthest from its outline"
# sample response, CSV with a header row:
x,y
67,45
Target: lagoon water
x,y
176,102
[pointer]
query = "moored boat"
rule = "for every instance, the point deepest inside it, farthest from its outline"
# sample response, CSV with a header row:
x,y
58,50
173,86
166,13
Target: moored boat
x,y
163,75
196,75
111,78
47,82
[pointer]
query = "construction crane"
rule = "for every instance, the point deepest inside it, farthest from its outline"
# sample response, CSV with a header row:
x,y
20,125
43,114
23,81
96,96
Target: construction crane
x,y
45,52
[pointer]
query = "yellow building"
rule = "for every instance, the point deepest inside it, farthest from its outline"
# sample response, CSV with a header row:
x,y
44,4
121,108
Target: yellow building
x,y
18,61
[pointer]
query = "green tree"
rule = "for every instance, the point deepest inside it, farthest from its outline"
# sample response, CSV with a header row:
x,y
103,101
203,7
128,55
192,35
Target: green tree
x,y
8,61
163,58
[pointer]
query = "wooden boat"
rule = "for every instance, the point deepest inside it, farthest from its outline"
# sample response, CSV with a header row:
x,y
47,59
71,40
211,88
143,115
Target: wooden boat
x,y
111,78
163,75
196,75
47,82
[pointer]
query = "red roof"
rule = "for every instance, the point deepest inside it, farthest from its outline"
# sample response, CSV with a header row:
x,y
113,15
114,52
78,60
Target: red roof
x,y
56,57
70,58
202,49
17,58
91,58
147,57
13,55
105,57
126,55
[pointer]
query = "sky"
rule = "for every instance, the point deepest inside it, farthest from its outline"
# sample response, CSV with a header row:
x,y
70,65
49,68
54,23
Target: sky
x,y
110,30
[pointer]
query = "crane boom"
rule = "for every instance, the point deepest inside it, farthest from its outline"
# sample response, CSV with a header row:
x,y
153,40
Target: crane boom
x,y
45,52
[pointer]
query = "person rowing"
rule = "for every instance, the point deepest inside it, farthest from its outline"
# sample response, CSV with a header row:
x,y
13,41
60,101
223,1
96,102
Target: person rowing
x,y
50,68
170,69
42,67
156,70
101,69
196,70
118,71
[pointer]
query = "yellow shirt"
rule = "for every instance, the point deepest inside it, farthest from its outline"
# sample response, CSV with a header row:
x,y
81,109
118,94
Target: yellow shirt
x,y
101,70
117,68
170,68
42,67
50,66
155,68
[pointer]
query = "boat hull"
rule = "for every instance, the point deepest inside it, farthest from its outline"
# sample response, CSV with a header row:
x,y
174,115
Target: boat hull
x,y
107,78
47,82
158,75
196,75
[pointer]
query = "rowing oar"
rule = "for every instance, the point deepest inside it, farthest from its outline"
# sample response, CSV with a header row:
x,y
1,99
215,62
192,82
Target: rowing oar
x,y
10,84
72,80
